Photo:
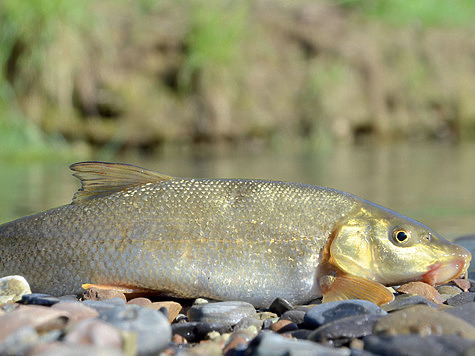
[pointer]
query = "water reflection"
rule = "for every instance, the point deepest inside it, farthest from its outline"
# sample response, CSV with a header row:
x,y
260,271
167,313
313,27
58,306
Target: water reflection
x,y
431,183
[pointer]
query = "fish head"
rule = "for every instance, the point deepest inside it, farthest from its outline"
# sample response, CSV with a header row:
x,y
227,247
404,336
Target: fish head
x,y
385,247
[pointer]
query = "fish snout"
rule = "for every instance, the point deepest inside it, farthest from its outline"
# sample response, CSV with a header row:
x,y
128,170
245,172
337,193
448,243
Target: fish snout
x,y
443,272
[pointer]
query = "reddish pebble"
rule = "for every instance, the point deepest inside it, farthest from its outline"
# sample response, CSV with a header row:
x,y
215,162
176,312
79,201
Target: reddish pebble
x,y
463,284
143,302
178,339
173,308
234,341
423,289
102,294
94,332
77,311
283,325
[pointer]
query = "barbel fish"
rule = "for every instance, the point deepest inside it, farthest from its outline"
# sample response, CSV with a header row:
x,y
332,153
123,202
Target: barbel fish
x,y
225,239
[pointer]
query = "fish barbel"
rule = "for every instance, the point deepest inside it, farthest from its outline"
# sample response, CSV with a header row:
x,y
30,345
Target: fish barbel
x,y
225,239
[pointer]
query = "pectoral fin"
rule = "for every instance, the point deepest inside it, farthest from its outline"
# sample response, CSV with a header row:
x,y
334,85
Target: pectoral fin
x,y
130,292
343,286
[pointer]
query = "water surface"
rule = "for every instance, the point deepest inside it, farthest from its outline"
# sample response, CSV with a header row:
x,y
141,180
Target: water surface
x,y
431,183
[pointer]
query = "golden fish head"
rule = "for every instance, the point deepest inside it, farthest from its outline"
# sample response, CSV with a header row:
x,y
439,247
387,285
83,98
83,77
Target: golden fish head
x,y
386,247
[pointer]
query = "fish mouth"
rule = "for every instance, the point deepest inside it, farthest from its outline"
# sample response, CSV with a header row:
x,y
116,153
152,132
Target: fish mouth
x,y
440,273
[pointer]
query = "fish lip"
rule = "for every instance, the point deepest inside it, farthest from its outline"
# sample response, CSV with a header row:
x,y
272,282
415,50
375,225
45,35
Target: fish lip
x,y
440,273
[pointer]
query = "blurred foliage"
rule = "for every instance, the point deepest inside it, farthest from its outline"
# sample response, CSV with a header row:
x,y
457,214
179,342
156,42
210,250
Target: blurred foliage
x,y
116,74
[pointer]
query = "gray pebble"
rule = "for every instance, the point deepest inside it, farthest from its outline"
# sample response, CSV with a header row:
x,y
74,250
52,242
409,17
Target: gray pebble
x,y
295,316
406,300
195,331
103,306
39,299
280,306
327,312
464,311
246,322
271,344
221,312
462,298
301,334
402,345
78,350
341,331
152,328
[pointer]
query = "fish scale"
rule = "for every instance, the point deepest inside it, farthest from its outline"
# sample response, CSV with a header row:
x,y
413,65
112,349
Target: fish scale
x,y
251,240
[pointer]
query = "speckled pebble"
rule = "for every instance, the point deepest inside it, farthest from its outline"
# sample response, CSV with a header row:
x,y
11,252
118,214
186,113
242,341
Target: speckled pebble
x,y
271,344
151,327
327,312
102,294
246,322
462,298
39,299
221,312
406,300
433,345
423,320
12,288
280,306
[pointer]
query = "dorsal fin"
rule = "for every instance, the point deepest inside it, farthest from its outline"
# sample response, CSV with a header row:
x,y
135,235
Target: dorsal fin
x,y
104,178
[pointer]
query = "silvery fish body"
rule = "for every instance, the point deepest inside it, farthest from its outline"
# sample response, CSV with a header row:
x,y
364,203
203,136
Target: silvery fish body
x,y
251,240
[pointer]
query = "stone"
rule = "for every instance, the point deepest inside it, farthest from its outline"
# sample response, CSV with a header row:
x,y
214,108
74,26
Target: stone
x,y
279,306
94,332
464,311
39,299
195,331
406,300
12,288
423,289
270,344
282,326
38,317
94,293
469,243
20,341
423,320
265,315
447,292
463,284
142,302
178,339
327,312
63,349
151,327
77,311
104,306
402,345
295,316
221,312
301,334
236,341
341,331
173,308
462,298
246,322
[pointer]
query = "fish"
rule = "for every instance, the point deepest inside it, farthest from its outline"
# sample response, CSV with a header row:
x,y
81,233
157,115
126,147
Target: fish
x,y
223,239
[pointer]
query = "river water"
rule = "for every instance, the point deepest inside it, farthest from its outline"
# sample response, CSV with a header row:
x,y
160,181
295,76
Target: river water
x,y
433,183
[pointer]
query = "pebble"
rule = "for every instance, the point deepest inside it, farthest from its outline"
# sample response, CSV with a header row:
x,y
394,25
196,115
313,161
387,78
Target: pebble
x,y
434,345
20,341
469,243
406,300
38,317
327,312
282,326
447,292
12,289
423,289
341,331
62,349
462,298
94,332
77,311
463,284
151,327
39,299
247,322
271,344
195,331
104,306
141,301
295,316
279,306
424,321
94,293
221,312
464,311
173,308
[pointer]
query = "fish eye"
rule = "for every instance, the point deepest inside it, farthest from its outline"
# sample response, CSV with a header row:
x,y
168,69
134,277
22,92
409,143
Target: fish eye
x,y
401,236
